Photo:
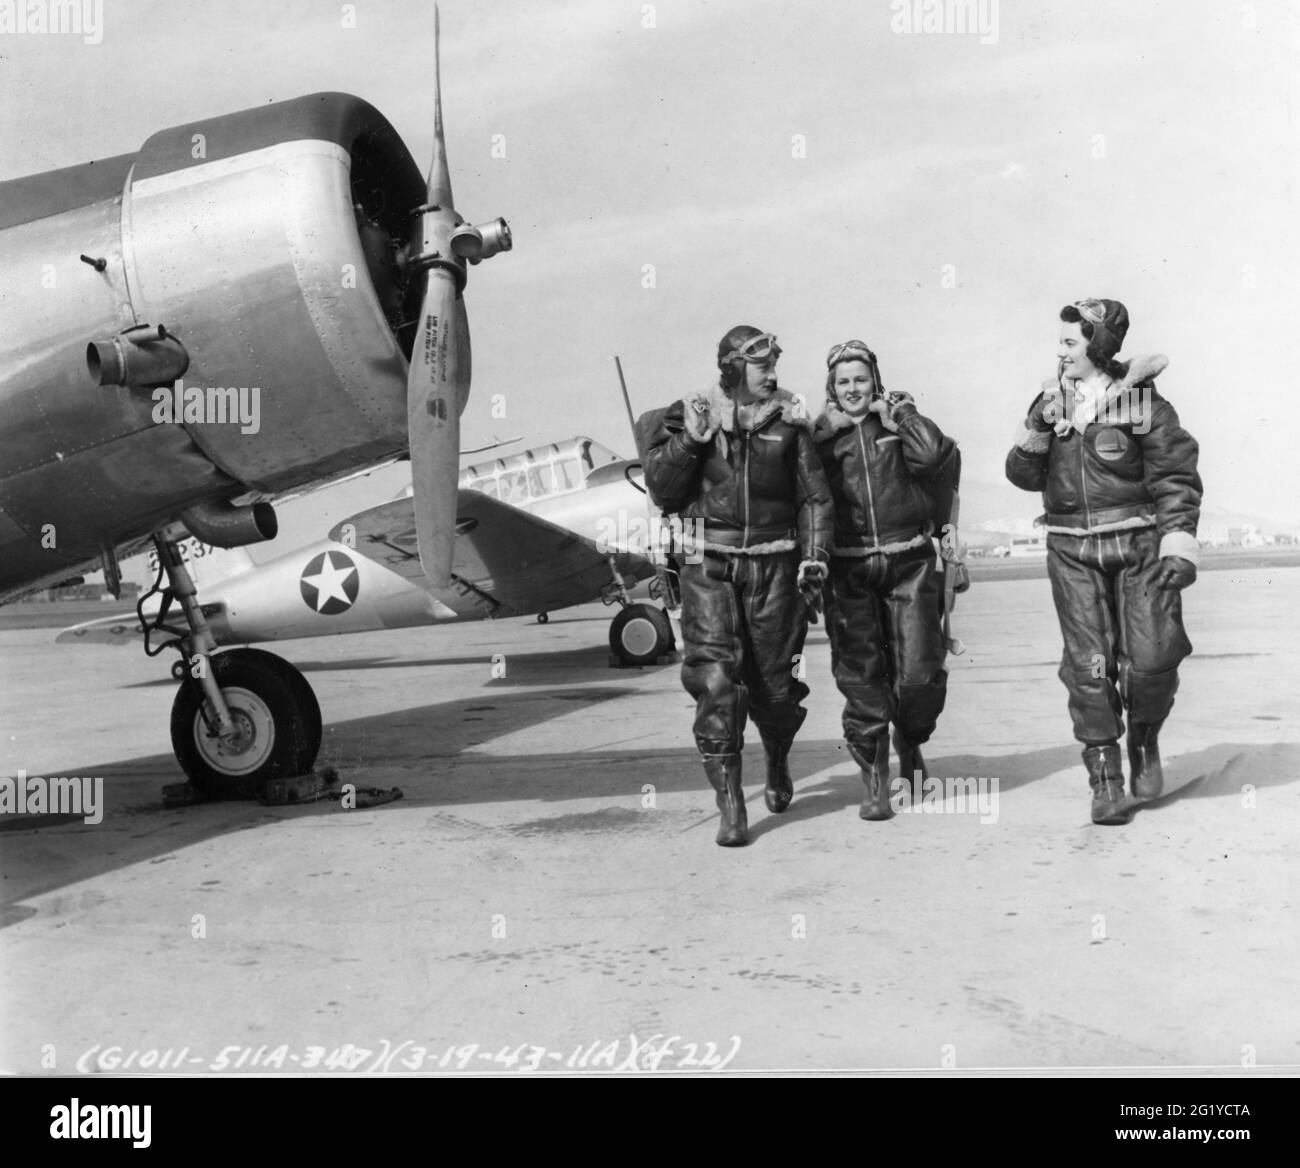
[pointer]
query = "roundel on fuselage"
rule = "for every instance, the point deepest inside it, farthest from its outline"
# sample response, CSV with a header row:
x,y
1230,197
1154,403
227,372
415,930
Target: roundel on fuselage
x,y
329,583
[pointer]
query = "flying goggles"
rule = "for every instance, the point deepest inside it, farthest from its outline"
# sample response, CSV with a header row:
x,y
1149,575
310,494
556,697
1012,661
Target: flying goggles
x,y
849,351
1093,311
759,350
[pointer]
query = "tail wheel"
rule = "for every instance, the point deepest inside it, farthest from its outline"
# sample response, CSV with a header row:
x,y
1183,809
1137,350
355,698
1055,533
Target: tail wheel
x,y
277,726
640,634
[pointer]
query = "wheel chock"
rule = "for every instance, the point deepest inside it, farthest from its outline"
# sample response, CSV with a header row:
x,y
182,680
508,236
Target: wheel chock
x,y
182,795
301,788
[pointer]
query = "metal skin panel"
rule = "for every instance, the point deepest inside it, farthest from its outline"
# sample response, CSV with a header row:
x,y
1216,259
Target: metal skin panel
x,y
55,191
87,460
268,605
247,259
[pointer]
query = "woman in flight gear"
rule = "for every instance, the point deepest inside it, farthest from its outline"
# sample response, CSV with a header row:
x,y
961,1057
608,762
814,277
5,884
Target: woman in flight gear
x,y
739,458
1123,497
884,611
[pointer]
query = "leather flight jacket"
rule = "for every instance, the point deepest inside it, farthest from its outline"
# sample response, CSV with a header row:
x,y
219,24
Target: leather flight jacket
x,y
1133,467
879,478
759,491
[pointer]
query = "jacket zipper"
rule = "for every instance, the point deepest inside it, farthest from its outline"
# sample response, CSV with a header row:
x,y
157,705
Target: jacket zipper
x,y
744,481
871,499
1083,480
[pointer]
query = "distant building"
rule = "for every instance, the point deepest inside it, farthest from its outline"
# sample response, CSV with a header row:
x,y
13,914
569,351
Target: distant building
x,y
1028,545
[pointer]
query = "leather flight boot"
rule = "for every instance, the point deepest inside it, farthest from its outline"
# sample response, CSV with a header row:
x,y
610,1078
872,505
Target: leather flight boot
x,y
910,763
1146,775
723,771
1106,777
875,777
780,786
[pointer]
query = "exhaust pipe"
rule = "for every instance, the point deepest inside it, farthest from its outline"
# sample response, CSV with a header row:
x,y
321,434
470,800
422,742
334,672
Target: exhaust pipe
x,y
479,243
143,357
223,525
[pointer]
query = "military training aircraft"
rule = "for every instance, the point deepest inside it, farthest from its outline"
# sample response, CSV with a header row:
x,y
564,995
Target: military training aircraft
x,y
291,266
537,531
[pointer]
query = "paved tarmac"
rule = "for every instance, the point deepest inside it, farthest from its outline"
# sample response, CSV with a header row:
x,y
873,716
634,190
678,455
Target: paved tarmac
x,y
548,887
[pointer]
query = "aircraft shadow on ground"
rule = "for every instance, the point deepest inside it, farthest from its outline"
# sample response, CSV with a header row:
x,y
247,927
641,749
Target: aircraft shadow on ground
x,y
431,753
41,853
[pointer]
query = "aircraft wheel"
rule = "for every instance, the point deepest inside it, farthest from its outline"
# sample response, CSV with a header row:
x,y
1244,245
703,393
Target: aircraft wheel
x,y
543,617
179,669
277,720
640,634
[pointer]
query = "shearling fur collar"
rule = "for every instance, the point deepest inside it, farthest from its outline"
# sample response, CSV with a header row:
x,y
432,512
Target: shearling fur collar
x,y
1119,401
721,409
833,420
1136,371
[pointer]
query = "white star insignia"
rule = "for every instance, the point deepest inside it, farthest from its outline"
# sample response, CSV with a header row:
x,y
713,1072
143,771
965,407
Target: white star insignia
x,y
329,582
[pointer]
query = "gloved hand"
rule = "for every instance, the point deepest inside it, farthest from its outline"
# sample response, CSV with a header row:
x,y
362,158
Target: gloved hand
x,y
698,424
1046,411
892,408
1175,572
812,576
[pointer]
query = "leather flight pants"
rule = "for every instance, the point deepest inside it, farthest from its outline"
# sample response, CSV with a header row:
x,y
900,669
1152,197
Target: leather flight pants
x,y
743,625
1124,637
884,616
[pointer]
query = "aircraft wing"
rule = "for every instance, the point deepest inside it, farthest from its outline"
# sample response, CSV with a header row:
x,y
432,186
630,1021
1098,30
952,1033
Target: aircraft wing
x,y
505,561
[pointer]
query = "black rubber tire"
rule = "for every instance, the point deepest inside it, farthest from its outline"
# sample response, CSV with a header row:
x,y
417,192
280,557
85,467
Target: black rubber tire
x,y
275,697
543,617
632,630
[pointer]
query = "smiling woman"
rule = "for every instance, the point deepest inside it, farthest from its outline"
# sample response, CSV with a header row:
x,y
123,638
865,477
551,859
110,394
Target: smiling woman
x,y
886,464
1122,496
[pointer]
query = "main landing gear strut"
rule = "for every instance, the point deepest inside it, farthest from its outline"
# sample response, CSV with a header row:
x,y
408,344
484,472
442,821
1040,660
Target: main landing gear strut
x,y
241,717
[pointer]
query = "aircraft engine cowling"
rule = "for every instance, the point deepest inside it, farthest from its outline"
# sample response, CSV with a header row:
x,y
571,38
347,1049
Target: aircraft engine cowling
x,y
270,245
273,256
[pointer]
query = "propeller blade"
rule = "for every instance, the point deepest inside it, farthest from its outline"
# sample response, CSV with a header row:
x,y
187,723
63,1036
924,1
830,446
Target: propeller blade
x,y
438,181
437,382
436,388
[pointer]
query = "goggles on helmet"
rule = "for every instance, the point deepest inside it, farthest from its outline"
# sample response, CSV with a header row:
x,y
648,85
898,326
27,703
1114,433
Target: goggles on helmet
x,y
759,350
849,351
1093,311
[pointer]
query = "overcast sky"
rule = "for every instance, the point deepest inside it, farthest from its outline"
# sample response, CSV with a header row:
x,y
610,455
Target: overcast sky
x,y
799,166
